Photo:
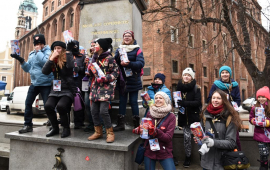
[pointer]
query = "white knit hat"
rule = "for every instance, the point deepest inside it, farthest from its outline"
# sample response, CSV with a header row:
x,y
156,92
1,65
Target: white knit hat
x,y
189,71
165,97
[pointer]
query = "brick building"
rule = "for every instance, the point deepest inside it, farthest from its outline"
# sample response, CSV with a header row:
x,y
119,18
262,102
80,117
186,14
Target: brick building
x,y
58,16
169,49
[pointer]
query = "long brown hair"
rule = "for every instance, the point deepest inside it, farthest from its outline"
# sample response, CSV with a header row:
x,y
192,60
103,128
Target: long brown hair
x,y
228,109
266,108
61,59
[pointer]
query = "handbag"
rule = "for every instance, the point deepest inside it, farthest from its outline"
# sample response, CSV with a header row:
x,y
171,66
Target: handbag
x,y
231,159
78,103
141,149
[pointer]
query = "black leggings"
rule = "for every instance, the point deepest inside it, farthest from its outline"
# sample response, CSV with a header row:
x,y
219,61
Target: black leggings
x,y
63,106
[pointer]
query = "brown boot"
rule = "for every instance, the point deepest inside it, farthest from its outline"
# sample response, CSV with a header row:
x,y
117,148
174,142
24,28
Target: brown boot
x,y
110,135
98,133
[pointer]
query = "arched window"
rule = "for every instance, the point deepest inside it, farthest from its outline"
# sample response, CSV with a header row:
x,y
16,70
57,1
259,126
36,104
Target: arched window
x,y
205,94
54,31
62,21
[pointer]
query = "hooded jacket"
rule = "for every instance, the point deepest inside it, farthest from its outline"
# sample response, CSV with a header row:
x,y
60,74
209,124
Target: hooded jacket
x,y
36,61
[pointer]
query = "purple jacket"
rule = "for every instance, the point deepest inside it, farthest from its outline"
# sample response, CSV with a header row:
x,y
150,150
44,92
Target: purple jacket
x,y
164,135
258,131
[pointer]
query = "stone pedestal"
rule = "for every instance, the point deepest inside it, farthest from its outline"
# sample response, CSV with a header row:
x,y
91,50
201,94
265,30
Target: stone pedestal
x,y
33,151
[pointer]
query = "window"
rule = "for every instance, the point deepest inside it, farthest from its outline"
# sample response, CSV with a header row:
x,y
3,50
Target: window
x,y
205,71
46,11
213,3
173,4
175,66
215,49
173,34
204,45
63,24
191,41
205,94
4,78
191,66
59,2
216,73
71,19
55,28
52,6
224,36
214,26
174,87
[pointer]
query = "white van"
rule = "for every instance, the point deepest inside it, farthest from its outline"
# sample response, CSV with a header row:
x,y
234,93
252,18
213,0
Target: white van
x,y
16,101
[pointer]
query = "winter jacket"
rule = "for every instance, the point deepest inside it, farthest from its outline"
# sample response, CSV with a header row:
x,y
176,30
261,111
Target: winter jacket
x,y
151,91
65,74
105,91
191,103
79,59
133,83
34,66
235,93
225,142
258,131
165,135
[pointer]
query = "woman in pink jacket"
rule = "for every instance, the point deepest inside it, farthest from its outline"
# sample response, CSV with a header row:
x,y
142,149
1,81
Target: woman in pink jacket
x,y
161,133
260,118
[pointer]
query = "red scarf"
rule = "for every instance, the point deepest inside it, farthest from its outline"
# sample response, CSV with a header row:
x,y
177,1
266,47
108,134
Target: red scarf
x,y
214,110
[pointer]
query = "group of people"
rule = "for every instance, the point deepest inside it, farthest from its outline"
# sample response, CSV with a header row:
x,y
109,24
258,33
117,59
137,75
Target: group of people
x,y
57,73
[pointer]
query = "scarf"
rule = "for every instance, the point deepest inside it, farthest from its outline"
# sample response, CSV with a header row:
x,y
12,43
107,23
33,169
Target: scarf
x,y
186,87
100,57
156,86
225,86
160,112
129,47
214,110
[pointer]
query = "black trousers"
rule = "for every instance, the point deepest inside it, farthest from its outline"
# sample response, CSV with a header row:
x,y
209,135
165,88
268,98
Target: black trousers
x,y
63,106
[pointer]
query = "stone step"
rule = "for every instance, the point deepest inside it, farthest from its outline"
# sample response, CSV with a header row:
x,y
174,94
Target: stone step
x,y
4,150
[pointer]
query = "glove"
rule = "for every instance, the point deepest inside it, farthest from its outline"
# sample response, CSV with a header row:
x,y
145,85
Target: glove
x,y
70,46
17,57
104,79
137,130
181,103
208,141
76,69
204,149
152,130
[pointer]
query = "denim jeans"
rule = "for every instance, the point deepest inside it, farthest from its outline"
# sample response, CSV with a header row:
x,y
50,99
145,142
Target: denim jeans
x,y
88,109
167,164
133,100
101,109
33,91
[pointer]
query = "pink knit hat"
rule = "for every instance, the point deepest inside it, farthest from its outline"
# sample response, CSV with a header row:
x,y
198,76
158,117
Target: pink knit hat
x,y
264,91
129,32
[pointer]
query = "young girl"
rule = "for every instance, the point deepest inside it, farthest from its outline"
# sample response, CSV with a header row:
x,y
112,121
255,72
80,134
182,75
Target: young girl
x,y
102,89
226,121
191,101
263,101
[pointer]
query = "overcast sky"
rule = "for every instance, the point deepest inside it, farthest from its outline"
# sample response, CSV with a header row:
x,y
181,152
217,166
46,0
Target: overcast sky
x,y
9,10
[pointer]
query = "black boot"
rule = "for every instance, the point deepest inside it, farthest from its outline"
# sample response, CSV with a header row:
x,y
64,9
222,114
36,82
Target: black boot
x,y
120,123
53,131
264,163
136,121
66,132
187,162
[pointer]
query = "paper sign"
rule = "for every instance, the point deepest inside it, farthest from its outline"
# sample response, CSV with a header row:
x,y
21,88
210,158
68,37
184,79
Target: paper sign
x,y
15,49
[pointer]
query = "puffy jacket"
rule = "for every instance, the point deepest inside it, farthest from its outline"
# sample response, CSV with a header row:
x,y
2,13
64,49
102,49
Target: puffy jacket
x,y
164,135
80,63
34,66
235,93
151,91
133,83
105,91
192,103
258,131
225,142
65,74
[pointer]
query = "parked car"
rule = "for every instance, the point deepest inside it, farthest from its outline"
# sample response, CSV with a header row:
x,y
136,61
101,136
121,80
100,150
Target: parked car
x,y
16,101
249,103
3,103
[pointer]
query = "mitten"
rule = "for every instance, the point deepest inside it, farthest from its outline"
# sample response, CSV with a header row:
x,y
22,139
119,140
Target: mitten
x,y
17,57
208,141
70,46
152,130
151,102
137,130
204,149
100,80
104,79
76,69
181,103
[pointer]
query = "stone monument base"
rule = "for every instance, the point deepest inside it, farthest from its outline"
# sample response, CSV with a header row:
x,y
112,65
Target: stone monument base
x,y
34,150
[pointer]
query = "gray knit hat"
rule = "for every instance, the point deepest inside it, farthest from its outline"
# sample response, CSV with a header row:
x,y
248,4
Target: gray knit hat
x,y
165,97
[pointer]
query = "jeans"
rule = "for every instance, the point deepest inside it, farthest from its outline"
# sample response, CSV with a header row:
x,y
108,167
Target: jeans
x,y
87,107
167,164
33,91
133,100
101,109
63,106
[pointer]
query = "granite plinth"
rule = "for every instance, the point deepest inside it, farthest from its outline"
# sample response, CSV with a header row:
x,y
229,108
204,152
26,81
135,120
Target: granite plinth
x,y
35,147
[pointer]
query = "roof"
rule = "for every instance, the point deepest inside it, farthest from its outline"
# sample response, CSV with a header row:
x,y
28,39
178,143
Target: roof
x,y
28,5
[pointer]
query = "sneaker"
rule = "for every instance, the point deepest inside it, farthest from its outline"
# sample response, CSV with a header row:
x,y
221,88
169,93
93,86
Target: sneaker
x,y
186,164
26,129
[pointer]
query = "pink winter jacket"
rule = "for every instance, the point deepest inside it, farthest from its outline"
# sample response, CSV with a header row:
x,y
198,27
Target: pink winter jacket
x,y
164,134
259,131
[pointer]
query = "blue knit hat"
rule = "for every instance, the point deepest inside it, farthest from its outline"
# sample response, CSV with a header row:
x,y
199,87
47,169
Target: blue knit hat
x,y
161,76
227,68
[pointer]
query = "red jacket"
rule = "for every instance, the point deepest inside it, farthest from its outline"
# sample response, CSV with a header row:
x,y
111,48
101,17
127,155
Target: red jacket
x,y
164,134
259,131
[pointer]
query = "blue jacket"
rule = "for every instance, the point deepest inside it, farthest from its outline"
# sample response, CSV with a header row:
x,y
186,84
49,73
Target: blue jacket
x,y
235,93
34,66
151,91
133,83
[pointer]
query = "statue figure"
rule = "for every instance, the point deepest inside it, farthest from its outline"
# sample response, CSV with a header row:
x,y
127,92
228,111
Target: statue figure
x,y
59,165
